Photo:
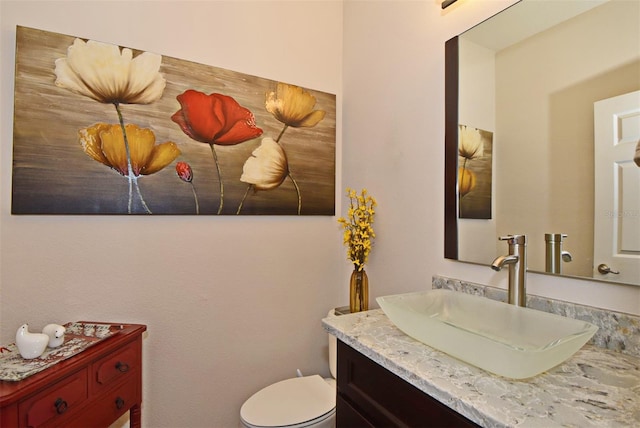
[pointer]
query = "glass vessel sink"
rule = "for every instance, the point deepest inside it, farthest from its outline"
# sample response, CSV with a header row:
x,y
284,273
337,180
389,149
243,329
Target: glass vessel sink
x,y
503,339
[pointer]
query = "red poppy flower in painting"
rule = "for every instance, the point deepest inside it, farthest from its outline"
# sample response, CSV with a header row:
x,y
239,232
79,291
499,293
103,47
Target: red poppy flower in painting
x,y
183,170
185,173
215,119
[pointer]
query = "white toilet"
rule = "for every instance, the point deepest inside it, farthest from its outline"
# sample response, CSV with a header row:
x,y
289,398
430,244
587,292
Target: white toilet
x,y
308,401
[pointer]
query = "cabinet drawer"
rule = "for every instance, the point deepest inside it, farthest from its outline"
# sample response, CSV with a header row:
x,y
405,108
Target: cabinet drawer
x,y
109,406
56,402
116,366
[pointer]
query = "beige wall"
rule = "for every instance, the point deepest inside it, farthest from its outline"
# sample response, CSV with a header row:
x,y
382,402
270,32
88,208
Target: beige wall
x,y
234,304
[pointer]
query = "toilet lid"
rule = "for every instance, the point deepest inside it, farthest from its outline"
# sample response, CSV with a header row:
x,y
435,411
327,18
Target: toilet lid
x,y
289,402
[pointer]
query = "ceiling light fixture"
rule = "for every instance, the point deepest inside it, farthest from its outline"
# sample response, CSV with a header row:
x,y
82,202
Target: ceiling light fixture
x,y
447,3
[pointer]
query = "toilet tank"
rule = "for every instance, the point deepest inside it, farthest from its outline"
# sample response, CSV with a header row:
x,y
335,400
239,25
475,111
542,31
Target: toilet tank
x,y
333,348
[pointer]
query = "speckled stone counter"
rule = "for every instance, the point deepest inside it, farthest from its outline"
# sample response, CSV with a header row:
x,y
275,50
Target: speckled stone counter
x,y
594,388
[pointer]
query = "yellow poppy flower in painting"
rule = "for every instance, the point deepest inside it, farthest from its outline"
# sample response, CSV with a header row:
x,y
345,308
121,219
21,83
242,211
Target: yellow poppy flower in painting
x,y
470,145
105,143
267,167
104,73
466,181
293,106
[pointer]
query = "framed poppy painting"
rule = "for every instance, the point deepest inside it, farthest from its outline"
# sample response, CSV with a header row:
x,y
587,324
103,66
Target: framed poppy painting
x,y
104,129
475,159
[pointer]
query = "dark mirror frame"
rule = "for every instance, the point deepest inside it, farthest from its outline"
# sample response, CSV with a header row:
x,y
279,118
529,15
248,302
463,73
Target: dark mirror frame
x,y
451,150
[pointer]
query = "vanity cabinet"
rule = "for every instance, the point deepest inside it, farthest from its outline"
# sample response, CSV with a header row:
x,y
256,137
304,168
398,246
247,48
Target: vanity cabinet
x,y
371,396
91,389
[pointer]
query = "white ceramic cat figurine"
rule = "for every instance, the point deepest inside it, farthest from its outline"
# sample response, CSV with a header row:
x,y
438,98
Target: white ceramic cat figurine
x,y
30,345
55,333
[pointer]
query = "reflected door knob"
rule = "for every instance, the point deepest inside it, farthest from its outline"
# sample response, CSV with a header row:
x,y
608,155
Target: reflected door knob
x,y
604,269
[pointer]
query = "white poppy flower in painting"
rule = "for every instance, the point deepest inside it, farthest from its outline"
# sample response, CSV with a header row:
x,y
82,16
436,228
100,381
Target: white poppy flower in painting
x,y
267,167
106,74
470,144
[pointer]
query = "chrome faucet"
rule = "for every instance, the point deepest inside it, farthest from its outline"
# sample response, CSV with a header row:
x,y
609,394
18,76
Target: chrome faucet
x,y
517,261
554,254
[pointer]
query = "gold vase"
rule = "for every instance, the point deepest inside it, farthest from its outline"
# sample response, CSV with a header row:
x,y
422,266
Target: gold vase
x,y
358,291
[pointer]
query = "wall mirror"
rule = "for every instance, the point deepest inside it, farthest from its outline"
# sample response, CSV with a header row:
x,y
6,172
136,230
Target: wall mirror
x,y
536,96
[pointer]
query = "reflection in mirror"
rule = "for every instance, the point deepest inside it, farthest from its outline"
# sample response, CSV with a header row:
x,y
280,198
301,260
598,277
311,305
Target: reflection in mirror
x,y
533,78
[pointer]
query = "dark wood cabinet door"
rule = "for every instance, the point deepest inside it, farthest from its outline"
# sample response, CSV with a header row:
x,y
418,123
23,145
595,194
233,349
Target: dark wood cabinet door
x,y
370,395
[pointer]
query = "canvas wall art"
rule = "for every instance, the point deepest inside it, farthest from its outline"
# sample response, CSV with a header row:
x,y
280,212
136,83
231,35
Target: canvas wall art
x,y
475,148
104,129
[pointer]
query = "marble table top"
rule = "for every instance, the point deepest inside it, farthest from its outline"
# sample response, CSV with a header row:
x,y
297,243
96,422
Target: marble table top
x,y
595,388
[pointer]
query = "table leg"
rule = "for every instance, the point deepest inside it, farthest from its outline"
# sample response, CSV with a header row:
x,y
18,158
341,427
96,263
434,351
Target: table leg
x,y
135,416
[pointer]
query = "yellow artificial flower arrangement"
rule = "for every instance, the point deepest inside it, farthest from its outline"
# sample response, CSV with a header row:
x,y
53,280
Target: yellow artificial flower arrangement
x,y
358,227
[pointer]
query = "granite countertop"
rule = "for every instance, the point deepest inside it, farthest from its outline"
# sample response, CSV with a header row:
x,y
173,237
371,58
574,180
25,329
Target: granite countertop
x,y
594,388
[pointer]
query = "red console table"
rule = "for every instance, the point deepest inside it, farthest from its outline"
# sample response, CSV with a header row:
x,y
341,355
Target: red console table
x,y
91,389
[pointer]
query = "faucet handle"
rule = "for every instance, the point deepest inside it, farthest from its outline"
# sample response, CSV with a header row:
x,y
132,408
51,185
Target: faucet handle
x,y
514,239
